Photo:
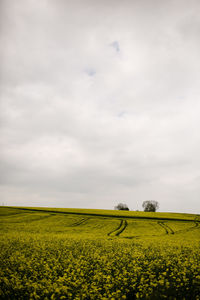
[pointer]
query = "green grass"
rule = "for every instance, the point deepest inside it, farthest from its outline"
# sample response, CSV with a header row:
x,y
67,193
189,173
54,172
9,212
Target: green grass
x,y
52,253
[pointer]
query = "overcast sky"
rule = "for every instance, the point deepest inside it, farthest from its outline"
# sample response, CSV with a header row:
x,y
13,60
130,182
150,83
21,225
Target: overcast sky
x,y
100,103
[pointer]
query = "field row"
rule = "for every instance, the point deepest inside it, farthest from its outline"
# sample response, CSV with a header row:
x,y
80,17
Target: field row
x,y
108,213
40,222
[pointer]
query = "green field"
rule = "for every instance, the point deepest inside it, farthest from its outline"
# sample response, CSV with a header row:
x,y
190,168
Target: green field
x,y
51,253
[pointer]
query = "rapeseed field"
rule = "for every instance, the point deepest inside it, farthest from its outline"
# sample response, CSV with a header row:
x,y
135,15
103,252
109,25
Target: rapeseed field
x,y
94,254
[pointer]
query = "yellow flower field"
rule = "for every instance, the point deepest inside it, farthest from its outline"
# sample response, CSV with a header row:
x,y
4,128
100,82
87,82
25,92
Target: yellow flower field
x,y
50,255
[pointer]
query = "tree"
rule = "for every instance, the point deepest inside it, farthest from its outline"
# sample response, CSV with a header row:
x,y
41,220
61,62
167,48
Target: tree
x,y
150,205
121,206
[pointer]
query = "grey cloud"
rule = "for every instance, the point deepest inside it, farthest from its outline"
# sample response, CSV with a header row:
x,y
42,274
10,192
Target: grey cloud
x,y
100,105
115,45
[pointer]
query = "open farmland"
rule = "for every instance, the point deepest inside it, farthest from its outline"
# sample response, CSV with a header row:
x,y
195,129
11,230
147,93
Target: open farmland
x,y
98,254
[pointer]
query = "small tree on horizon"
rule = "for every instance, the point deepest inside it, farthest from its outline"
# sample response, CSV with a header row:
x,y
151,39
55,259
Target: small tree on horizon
x,y
150,205
121,206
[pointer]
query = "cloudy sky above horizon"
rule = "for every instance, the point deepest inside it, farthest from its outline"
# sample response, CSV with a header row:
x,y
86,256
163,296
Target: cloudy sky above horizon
x,y
100,103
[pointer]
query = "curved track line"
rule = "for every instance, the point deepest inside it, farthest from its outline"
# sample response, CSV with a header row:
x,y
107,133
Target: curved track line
x,y
123,227
171,231
116,229
79,222
38,218
163,226
196,226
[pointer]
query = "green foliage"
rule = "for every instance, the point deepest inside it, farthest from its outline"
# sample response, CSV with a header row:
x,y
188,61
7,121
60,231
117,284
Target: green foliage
x,y
150,205
121,206
47,255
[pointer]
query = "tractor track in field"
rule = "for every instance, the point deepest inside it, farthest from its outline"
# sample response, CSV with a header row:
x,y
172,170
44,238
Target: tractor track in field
x,y
15,214
167,228
117,231
196,226
38,219
79,222
163,226
123,227
170,230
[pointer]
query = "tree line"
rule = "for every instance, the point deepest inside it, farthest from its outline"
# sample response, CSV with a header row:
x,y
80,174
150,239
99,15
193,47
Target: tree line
x,y
148,205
